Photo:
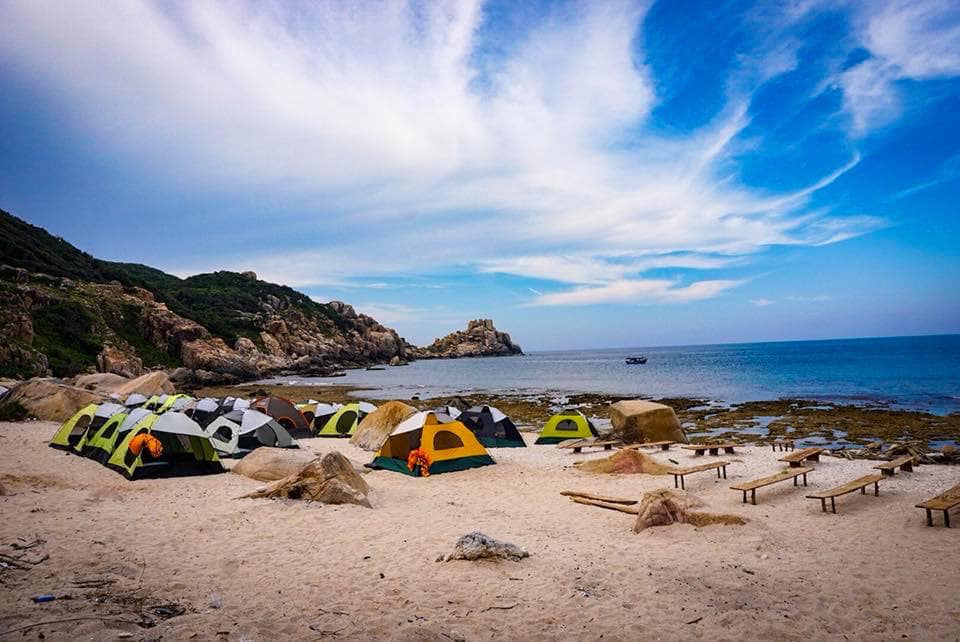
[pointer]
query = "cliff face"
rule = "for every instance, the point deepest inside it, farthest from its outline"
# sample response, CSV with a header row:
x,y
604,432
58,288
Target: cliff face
x,y
64,312
480,339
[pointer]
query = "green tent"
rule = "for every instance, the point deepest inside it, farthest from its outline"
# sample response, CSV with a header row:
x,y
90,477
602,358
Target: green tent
x,y
101,444
74,429
569,424
186,450
344,422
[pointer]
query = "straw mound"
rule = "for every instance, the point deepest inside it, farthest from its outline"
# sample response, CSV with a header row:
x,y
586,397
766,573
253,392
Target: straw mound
x,y
665,507
626,462
377,426
330,480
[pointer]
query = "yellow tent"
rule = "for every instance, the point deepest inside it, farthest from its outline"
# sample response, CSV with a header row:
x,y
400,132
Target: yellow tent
x,y
447,445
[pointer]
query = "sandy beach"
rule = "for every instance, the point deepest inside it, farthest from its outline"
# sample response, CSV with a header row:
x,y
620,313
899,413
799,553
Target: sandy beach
x,y
126,554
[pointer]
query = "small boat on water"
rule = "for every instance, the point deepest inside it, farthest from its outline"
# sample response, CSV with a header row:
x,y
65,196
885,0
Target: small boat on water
x,y
635,360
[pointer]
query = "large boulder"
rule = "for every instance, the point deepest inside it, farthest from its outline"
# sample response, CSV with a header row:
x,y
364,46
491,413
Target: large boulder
x,y
271,464
377,426
103,382
637,421
331,479
50,400
152,383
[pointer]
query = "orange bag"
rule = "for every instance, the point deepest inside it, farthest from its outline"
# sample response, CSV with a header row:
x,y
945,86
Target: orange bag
x,y
418,457
148,441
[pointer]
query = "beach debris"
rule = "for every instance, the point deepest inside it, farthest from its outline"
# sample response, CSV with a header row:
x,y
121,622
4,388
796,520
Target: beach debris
x,y
626,461
601,501
918,449
216,601
476,545
666,506
40,599
330,479
636,421
374,429
600,498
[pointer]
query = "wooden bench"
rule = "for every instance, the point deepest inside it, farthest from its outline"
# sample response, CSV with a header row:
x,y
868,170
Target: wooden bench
x,y
944,501
783,475
663,445
890,468
783,445
699,449
855,485
678,473
578,446
797,458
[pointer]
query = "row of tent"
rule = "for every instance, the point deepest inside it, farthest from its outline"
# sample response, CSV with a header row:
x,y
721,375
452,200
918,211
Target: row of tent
x,y
177,435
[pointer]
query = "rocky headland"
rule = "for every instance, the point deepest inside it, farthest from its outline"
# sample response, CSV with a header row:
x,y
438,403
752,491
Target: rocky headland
x,y
64,313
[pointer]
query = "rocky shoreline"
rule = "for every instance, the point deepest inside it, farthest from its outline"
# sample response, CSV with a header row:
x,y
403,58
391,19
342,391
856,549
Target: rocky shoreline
x,y
760,422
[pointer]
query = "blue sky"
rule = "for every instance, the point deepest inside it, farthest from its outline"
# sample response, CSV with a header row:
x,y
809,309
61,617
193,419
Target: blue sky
x,y
587,174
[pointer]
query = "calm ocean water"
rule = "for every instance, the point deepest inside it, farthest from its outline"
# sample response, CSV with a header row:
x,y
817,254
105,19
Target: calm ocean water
x,y
907,372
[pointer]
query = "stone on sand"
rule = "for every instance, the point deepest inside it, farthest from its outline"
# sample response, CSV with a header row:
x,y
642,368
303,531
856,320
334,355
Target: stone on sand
x,y
377,426
271,464
50,400
476,545
636,421
152,383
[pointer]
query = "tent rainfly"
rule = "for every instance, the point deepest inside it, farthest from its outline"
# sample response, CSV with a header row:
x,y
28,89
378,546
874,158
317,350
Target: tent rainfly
x,y
344,421
569,424
135,399
428,440
493,428
185,450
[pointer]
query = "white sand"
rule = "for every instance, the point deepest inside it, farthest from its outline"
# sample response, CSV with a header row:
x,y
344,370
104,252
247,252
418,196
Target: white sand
x,y
290,570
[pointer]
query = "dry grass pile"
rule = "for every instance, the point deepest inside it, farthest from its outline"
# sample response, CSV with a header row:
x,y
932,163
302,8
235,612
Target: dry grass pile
x,y
626,462
665,507
377,426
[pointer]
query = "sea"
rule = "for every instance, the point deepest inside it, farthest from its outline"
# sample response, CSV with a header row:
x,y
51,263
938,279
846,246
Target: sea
x,y
914,373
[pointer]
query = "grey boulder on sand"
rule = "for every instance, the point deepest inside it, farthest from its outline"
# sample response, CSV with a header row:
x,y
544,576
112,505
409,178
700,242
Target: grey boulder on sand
x,y
476,545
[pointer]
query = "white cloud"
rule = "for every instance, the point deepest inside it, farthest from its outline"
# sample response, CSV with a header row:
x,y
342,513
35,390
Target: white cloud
x,y
637,291
761,303
907,40
817,298
379,120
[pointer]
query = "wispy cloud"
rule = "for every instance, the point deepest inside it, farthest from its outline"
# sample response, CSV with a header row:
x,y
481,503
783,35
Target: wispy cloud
x,y
637,291
816,298
389,123
762,303
907,40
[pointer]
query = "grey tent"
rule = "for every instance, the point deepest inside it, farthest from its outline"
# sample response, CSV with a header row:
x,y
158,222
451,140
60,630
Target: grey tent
x,y
134,399
255,429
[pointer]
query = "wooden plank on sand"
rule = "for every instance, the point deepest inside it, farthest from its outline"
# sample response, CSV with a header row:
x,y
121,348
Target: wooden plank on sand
x,y
633,510
599,498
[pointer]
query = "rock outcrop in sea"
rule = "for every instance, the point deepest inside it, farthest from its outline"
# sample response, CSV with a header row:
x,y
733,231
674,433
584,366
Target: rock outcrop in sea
x,y
480,339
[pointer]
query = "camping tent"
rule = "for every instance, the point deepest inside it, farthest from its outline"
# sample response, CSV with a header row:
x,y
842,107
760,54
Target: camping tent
x,y
451,411
256,429
569,424
73,430
322,413
186,450
493,428
134,399
204,411
101,444
241,404
344,421
284,412
167,402
449,445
